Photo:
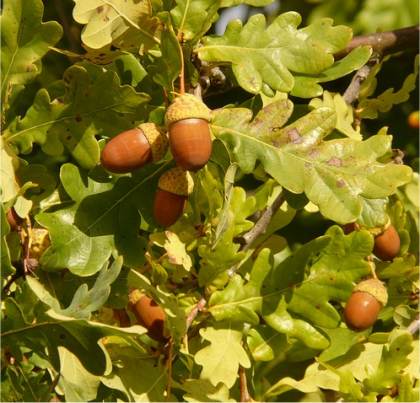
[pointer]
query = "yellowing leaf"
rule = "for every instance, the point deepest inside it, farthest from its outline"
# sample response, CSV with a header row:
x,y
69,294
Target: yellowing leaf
x,y
264,57
8,163
126,24
315,377
343,111
370,108
176,251
221,359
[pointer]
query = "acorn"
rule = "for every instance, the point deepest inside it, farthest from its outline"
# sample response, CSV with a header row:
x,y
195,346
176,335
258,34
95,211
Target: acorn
x,y
13,219
414,119
188,120
134,148
366,301
171,196
149,314
387,244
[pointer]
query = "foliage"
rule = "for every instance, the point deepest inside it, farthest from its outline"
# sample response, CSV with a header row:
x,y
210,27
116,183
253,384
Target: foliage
x,y
254,276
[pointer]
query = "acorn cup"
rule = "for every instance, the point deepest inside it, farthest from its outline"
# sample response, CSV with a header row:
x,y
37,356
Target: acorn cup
x,y
149,314
190,141
387,244
134,148
174,186
366,301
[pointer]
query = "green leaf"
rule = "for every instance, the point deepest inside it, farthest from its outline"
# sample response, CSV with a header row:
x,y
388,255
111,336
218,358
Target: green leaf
x,y
265,344
406,391
77,384
85,301
78,336
194,18
334,174
24,382
94,103
167,67
232,220
6,262
266,56
386,15
370,107
25,40
307,86
373,212
135,373
129,69
201,390
125,24
331,277
221,359
105,216
255,3
341,341
8,164
393,361
240,302
175,314
314,378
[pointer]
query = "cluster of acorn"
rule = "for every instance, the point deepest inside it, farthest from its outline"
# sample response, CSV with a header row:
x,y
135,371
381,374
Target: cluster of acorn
x,y
187,120
369,296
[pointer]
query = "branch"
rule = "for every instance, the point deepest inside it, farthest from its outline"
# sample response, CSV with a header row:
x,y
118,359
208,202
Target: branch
x,y
194,312
263,222
243,386
386,42
352,92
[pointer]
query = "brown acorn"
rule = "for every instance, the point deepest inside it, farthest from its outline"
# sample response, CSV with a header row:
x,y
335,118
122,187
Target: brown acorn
x,y
13,219
188,120
387,244
149,314
414,120
366,301
171,196
134,148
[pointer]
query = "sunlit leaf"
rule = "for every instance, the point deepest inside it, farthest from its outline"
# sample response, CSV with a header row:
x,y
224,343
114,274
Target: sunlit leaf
x,y
267,56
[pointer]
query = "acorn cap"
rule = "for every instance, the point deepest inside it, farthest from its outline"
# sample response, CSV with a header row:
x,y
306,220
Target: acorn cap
x,y
157,139
177,181
375,288
185,107
135,296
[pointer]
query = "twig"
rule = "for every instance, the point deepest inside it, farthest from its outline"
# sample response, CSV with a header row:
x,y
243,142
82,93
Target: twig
x,y
194,312
414,326
15,276
243,386
26,265
352,92
386,42
182,72
263,222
